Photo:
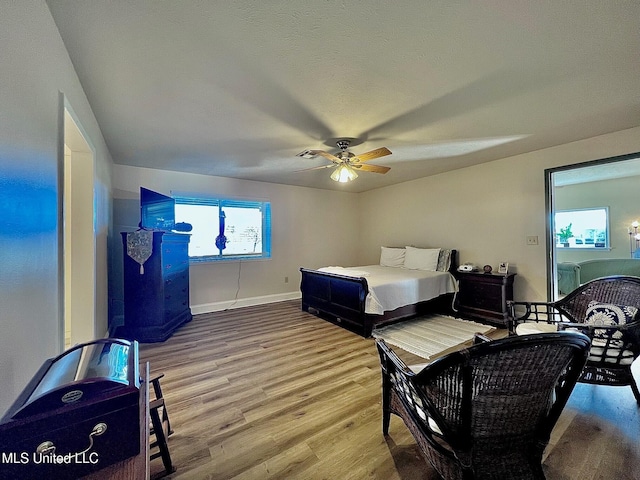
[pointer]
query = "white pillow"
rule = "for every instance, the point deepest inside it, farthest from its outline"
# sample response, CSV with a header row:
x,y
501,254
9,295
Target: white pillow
x,y
392,257
421,258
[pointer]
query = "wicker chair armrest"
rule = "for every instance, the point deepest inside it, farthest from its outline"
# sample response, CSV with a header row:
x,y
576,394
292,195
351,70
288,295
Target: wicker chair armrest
x,y
389,361
586,327
530,308
545,312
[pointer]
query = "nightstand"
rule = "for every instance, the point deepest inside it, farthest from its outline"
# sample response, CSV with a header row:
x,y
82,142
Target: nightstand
x,y
483,296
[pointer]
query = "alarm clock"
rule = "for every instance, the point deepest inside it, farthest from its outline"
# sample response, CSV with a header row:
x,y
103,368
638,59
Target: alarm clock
x,y
467,267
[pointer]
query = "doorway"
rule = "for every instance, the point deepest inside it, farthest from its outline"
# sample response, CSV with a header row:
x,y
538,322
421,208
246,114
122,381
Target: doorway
x,y
78,235
608,185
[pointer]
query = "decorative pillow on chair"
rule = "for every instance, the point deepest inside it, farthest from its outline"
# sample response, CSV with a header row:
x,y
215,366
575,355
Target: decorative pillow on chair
x,y
392,257
606,348
607,314
421,258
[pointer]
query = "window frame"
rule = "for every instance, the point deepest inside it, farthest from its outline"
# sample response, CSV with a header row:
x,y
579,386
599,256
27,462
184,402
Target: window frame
x,y
222,202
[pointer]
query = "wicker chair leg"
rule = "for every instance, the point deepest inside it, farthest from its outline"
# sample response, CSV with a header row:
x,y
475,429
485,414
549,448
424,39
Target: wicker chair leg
x,y
386,419
386,400
636,392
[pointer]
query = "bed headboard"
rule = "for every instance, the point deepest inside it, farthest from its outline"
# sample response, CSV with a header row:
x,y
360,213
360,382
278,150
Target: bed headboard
x,y
454,262
453,266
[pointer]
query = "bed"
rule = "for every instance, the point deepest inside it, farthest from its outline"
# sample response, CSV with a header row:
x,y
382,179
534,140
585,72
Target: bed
x,y
406,283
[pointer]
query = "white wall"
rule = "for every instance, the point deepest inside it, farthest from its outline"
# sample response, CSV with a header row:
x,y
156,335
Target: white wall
x,y
310,228
485,211
35,69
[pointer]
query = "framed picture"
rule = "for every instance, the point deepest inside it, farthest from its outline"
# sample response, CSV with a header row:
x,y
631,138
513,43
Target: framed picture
x,y
503,267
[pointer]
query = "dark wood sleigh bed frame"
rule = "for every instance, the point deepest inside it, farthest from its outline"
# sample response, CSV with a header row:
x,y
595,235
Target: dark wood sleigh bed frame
x,y
341,300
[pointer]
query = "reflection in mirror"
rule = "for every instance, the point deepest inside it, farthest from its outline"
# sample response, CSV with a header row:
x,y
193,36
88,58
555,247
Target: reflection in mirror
x,y
591,210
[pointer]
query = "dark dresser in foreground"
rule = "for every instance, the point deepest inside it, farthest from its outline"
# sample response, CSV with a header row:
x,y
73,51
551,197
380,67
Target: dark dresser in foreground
x,y
156,294
483,296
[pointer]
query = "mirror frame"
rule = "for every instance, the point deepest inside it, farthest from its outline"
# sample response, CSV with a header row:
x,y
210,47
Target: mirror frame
x,y
552,277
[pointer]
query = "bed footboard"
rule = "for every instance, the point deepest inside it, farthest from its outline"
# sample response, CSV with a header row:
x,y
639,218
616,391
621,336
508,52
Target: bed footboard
x,y
337,298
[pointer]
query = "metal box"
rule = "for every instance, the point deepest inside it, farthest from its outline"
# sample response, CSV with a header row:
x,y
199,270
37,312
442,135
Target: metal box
x,y
78,414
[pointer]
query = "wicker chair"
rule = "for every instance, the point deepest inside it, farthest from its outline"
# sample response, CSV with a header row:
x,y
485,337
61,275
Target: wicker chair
x,y
485,412
606,310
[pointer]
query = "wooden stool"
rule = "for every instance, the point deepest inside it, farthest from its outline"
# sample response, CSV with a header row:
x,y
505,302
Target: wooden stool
x,y
160,425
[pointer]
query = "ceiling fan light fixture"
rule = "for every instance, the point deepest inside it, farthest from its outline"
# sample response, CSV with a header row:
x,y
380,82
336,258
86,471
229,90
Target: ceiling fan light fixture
x,y
344,173
346,163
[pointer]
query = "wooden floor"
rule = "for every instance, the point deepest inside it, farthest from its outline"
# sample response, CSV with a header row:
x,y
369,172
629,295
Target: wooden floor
x,y
274,392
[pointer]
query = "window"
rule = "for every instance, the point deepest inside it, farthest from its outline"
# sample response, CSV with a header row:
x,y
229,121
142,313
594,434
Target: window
x,y
584,228
225,229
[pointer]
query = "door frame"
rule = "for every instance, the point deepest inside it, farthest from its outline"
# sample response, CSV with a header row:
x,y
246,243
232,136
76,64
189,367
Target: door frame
x,y
552,277
77,242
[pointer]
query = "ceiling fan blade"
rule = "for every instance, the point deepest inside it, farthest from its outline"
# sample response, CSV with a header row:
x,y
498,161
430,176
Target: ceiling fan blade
x,y
322,153
327,155
371,168
377,153
316,168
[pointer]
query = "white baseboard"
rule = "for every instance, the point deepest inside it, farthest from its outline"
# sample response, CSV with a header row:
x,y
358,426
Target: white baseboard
x,y
244,302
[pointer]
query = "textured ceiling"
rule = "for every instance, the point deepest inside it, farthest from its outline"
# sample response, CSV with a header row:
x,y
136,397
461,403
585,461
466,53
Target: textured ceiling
x,y
238,88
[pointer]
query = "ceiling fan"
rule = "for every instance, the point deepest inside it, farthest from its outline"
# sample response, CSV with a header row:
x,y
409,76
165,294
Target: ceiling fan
x,y
347,163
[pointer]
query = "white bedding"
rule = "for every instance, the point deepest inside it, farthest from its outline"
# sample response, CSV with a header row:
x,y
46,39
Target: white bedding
x,y
393,287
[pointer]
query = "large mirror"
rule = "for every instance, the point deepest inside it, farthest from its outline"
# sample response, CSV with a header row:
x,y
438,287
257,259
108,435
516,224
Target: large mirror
x,y
593,210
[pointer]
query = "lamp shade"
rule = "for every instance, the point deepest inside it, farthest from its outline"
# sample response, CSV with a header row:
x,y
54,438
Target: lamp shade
x,y
344,173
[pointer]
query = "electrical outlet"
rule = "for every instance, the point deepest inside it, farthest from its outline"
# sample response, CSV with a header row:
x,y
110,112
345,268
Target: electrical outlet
x,y
286,279
532,240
